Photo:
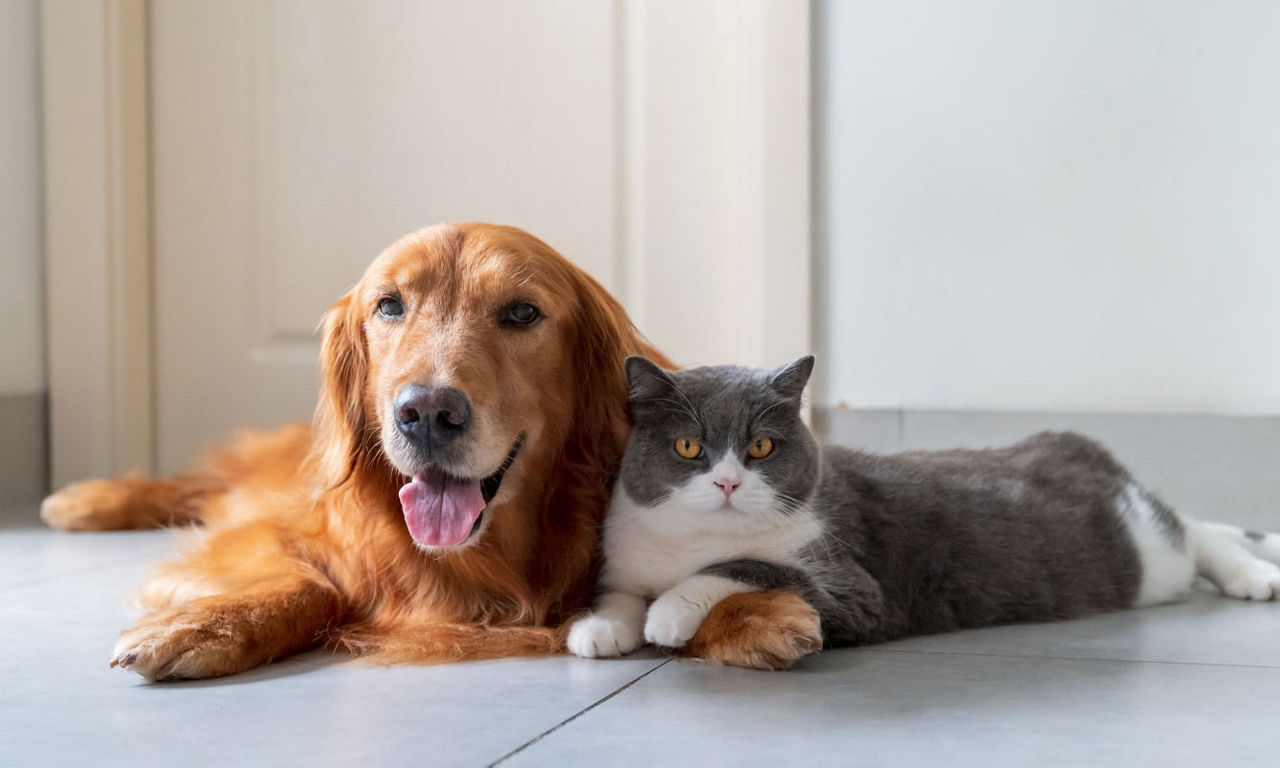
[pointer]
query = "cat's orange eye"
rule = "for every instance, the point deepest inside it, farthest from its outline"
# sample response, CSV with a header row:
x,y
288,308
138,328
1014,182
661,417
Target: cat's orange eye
x,y
689,449
760,447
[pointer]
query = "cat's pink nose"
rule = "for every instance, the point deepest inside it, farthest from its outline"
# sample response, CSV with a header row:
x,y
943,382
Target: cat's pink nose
x,y
728,485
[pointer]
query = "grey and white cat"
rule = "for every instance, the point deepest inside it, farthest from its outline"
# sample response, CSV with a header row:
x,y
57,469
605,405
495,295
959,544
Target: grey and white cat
x,y
723,489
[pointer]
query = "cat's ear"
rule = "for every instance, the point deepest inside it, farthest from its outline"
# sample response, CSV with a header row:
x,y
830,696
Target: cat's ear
x,y
789,380
645,379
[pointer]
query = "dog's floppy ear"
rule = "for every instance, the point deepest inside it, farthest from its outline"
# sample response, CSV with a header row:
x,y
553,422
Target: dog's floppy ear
x,y
606,338
341,438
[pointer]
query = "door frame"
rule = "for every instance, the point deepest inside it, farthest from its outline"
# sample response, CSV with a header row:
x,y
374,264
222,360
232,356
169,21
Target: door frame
x,y
98,211
754,219
97,228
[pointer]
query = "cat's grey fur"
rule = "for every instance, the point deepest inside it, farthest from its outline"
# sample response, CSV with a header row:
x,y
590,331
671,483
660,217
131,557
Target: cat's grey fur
x,y
1052,527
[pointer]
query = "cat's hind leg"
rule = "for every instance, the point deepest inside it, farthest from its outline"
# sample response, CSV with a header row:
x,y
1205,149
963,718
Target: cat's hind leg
x,y
1163,543
1239,566
1261,544
1174,549
612,629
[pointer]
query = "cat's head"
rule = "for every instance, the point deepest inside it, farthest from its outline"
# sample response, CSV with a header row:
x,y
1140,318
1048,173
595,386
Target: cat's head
x,y
719,440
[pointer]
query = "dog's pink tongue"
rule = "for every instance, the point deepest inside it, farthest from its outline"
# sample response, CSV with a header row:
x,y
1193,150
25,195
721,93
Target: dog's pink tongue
x,y
439,510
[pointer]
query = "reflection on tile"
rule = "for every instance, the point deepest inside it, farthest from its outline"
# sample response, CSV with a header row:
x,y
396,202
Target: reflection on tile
x,y
863,707
1205,629
33,554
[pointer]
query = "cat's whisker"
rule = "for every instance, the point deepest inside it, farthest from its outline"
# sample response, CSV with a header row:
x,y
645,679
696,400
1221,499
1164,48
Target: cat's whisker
x,y
681,408
690,406
760,416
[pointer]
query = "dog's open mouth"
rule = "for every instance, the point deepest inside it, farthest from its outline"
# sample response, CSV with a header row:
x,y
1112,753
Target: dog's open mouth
x,y
444,511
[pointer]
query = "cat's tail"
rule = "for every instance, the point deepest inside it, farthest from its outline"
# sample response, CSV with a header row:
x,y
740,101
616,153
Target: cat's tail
x,y
1243,563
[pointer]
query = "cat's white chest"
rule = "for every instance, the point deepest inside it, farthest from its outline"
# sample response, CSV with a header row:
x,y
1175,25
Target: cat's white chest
x,y
649,550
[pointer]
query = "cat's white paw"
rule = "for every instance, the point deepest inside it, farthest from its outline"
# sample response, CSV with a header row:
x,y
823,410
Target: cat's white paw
x,y
594,637
1256,580
673,619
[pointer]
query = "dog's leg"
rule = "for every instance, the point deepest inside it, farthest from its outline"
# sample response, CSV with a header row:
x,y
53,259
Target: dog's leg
x,y
247,595
256,459
129,502
231,632
763,630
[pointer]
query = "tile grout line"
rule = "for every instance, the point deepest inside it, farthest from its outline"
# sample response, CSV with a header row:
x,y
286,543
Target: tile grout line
x,y
1072,658
575,716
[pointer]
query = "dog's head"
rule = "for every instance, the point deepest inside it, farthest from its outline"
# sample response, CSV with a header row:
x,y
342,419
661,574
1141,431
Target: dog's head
x,y
469,359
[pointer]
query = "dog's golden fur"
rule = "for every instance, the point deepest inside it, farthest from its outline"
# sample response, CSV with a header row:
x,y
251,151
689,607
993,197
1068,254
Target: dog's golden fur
x,y
303,539
762,630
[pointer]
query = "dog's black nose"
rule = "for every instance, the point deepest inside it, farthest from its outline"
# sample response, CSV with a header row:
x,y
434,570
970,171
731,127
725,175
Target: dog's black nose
x,y
431,416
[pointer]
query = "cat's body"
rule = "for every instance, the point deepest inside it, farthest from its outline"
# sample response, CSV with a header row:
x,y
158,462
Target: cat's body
x,y
881,546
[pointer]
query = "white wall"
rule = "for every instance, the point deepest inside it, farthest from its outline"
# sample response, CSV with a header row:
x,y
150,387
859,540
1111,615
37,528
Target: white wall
x,y
21,292
1056,205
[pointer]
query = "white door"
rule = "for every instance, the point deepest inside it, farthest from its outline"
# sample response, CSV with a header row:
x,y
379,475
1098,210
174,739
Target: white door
x,y
293,140
290,140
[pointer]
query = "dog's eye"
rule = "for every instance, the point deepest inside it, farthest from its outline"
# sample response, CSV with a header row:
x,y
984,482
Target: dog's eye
x,y
521,315
391,308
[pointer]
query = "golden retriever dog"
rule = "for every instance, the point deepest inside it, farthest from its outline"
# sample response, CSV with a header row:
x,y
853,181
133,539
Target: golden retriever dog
x,y
446,503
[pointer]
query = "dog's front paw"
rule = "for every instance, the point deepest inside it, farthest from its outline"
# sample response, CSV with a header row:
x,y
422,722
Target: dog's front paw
x,y
180,644
761,630
595,636
673,619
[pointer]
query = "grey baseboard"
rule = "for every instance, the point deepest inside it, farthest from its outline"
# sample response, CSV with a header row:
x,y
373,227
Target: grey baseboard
x,y
1209,467
24,454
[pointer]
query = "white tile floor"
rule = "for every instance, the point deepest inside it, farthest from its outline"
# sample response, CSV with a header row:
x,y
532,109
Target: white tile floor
x,y
1187,684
